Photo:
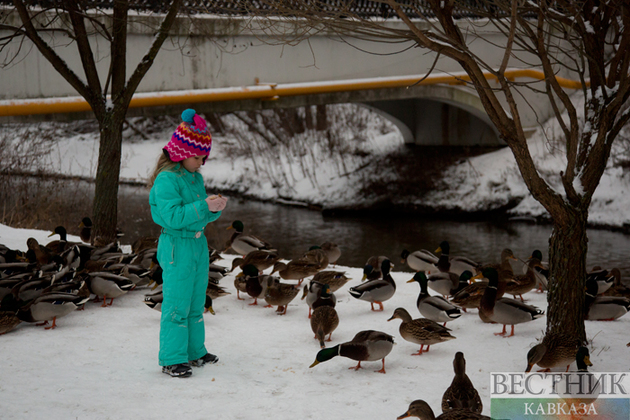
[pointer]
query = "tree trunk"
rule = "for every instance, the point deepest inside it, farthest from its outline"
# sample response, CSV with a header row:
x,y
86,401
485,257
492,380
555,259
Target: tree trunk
x,y
321,117
568,246
105,213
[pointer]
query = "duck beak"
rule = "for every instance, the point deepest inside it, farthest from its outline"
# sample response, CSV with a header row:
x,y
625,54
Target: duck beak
x,y
364,277
587,361
390,319
529,367
404,416
439,249
209,309
315,363
410,281
477,277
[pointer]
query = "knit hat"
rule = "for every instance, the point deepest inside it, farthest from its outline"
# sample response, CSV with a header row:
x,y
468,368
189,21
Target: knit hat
x,y
191,138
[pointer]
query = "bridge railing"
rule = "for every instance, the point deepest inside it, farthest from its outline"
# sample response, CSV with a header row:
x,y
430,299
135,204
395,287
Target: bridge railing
x,y
357,8
268,91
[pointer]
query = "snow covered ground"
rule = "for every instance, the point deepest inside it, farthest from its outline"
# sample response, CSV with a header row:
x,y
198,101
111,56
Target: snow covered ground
x,y
101,363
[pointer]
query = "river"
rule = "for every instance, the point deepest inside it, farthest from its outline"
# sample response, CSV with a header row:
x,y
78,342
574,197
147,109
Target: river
x,y
292,230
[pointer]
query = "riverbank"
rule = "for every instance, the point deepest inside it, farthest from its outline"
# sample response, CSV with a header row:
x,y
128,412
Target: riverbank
x,y
359,166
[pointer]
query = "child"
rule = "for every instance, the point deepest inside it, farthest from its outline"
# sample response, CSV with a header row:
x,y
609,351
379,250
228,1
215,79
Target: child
x,y
179,204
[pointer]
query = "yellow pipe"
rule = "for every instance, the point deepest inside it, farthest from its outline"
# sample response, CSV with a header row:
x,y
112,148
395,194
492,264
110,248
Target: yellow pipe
x,y
263,92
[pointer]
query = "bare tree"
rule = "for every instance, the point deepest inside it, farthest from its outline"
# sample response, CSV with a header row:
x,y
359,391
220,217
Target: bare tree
x,y
80,22
584,40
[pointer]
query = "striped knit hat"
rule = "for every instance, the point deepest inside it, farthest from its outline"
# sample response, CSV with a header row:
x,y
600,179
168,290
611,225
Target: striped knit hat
x,y
191,138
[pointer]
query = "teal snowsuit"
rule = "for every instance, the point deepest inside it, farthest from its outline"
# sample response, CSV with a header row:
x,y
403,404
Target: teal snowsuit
x,y
178,204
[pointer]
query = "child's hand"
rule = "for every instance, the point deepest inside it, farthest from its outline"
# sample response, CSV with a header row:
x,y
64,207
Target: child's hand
x,y
216,202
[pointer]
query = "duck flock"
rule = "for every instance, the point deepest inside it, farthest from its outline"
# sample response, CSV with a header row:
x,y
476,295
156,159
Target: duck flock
x,y
53,280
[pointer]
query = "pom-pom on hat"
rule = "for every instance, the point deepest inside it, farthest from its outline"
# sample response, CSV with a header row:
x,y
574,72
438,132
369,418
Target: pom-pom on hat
x,y
191,138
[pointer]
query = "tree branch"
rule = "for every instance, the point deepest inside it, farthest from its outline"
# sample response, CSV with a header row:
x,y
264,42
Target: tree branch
x,y
149,57
56,61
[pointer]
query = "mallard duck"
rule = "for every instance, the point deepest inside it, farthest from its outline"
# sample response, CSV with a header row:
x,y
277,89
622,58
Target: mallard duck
x,y
461,394
41,254
522,284
27,290
446,283
261,259
334,279
108,285
504,267
542,274
240,281
255,283
144,243
332,250
216,273
8,321
504,311
61,244
317,256
372,267
49,307
421,260
470,296
603,277
86,229
366,346
8,256
76,287
215,291
589,387
154,299
279,294
603,308
376,291
423,411
435,308
617,289
456,265
318,294
7,284
421,331
296,269
323,322
555,350
244,244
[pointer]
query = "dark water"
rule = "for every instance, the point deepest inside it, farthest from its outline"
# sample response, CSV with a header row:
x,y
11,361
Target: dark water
x,y
293,230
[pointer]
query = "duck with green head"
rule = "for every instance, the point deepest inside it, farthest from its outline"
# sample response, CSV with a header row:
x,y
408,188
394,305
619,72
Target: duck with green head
x,y
376,291
366,346
435,308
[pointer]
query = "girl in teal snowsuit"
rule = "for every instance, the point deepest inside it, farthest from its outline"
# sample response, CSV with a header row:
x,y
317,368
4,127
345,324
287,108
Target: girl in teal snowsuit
x,y
180,205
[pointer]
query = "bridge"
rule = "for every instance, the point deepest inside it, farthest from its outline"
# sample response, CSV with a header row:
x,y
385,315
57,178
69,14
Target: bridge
x,y
222,64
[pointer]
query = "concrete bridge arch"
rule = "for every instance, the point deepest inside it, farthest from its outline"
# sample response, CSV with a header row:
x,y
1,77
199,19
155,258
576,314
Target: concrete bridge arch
x,y
440,115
